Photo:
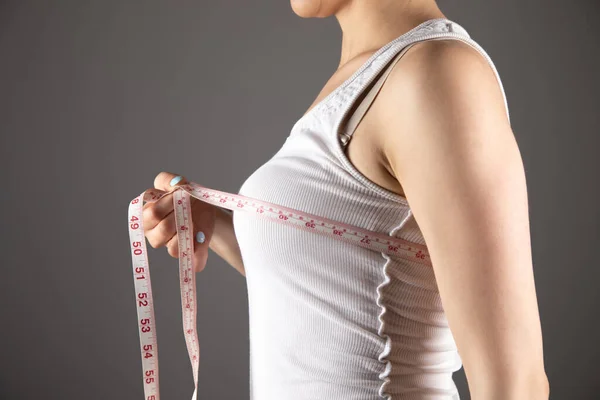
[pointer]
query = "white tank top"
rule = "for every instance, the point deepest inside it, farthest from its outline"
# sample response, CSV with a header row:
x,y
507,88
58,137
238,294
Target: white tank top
x,y
329,319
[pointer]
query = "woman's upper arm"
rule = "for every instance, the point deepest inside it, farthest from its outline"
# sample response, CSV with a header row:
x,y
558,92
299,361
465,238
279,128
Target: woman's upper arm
x,y
445,134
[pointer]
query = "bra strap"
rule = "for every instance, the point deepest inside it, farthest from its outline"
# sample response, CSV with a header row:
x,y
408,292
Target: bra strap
x,y
364,105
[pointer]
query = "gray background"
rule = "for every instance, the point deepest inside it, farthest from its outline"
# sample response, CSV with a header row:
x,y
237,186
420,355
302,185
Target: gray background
x,y
98,97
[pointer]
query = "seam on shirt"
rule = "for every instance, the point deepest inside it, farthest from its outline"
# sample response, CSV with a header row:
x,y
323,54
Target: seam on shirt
x,y
384,376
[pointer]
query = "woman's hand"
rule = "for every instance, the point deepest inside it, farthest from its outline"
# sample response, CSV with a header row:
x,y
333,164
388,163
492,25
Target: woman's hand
x,y
160,229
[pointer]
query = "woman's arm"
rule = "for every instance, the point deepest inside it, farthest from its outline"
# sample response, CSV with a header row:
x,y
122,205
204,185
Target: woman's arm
x,y
443,130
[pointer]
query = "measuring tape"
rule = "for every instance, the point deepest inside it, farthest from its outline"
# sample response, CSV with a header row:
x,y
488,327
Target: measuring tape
x,y
187,277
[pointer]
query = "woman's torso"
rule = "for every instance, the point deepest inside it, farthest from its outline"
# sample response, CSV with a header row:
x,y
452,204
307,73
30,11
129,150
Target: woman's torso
x,y
328,319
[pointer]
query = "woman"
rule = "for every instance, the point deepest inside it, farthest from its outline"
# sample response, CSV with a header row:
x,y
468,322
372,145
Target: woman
x,y
433,161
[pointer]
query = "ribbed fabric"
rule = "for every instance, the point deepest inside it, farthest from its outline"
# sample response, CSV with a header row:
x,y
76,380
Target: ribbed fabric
x,y
328,319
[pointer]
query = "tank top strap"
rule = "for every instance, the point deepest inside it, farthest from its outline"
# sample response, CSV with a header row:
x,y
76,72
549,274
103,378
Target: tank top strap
x,y
366,91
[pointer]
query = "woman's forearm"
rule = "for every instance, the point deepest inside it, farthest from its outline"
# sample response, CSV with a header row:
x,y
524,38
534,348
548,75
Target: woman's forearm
x,y
224,241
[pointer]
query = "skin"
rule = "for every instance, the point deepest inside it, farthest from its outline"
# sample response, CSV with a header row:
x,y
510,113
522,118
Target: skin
x,y
438,134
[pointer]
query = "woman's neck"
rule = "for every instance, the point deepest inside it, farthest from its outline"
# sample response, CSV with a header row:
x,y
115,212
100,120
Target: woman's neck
x,y
368,25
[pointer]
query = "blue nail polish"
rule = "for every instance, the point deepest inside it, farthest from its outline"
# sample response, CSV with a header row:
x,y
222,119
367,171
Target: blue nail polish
x,y
175,180
200,237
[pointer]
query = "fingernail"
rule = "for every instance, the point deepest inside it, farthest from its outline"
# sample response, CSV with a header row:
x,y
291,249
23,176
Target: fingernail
x,y
175,180
200,237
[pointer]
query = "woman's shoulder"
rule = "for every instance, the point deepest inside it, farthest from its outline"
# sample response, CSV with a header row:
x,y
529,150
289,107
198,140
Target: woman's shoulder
x,y
440,92
441,77
453,59
443,55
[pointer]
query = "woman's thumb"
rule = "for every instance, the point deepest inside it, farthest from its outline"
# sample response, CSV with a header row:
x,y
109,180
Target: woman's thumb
x,y
203,219
200,251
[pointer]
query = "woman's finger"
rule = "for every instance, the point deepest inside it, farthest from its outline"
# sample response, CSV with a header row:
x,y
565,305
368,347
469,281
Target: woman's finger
x,y
173,247
167,181
163,232
154,213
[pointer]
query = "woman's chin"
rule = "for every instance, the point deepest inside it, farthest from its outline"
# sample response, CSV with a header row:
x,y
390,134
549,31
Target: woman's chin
x,y
308,8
